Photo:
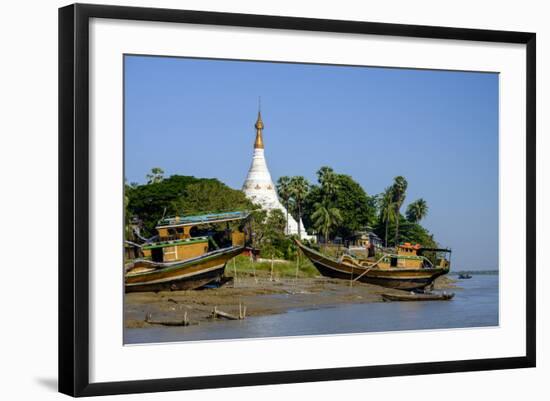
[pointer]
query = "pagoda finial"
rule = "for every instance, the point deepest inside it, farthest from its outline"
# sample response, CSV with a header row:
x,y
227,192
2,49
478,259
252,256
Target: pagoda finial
x,y
259,142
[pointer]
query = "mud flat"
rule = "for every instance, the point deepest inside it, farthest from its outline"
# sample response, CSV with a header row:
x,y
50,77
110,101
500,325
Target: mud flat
x,y
260,295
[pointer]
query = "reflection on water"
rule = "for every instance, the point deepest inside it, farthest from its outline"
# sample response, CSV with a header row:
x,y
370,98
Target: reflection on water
x,y
475,305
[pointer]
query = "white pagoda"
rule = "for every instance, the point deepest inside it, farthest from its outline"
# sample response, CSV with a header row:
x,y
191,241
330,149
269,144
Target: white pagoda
x,y
258,186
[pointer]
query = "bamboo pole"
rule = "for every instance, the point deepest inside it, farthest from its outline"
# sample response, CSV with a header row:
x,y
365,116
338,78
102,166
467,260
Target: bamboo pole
x,y
297,264
234,272
271,275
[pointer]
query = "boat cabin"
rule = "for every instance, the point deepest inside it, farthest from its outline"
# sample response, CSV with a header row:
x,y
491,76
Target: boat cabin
x,y
181,238
414,256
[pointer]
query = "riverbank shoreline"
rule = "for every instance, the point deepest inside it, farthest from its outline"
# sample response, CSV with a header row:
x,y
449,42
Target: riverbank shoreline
x,y
261,295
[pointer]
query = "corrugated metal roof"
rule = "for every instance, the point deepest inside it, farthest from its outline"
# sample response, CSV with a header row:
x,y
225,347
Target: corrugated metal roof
x,y
210,218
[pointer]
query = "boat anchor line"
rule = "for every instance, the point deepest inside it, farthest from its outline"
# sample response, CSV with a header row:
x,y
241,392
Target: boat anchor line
x,y
367,269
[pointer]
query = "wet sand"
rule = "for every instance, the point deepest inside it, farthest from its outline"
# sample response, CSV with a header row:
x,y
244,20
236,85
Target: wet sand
x,y
260,296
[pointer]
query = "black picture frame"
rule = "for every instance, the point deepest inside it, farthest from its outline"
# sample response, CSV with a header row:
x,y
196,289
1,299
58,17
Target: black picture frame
x,y
74,198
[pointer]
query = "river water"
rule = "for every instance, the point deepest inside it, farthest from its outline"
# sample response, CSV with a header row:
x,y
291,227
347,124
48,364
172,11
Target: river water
x,y
475,305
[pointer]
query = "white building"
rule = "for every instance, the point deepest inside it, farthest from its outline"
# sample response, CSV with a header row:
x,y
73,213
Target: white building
x,y
259,187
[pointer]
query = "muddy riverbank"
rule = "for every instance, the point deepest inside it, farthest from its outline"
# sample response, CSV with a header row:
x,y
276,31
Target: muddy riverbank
x,y
260,295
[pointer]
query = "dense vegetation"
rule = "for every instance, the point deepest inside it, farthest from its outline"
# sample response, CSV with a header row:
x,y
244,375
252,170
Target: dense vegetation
x,y
187,195
180,195
336,206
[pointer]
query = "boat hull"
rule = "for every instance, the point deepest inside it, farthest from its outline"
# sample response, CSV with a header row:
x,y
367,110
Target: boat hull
x,y
187,275
416,297
406,279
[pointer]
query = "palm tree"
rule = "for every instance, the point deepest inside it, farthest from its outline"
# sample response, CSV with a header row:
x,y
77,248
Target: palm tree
x,y
299,188
325,218
399,189
387,210
323,172
156,175
417,210
328,180
283,189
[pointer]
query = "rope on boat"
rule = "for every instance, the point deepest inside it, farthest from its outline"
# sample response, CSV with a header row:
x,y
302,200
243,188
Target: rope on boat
x,y
367,269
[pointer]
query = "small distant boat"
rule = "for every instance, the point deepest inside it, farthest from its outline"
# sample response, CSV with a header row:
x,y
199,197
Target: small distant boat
x,y
464,276
183,260
417,297
407,269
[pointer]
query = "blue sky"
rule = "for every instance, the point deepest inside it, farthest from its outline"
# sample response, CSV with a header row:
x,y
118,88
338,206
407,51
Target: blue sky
x,y
439,129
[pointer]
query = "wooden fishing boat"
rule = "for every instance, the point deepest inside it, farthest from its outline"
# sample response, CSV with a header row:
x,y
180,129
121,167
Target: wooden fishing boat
x,y
185,256
410,268
408,297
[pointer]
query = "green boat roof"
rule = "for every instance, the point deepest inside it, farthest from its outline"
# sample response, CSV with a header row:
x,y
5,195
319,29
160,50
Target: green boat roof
x,y
210,218
164,244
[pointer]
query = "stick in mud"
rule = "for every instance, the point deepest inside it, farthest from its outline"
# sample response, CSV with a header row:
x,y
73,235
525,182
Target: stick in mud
x,y
218,313
271,275
235,272
297,263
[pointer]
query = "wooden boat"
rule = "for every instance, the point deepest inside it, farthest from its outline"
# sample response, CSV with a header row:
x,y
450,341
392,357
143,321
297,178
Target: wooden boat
x,y
408,297
183,260
408,269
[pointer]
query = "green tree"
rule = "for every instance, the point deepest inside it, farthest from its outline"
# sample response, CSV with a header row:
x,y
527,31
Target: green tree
x,y
329,183
269,234
150,202
399,190
156,175
210,196
408,232
284,192
387,211
357,208
299,188
417,210
325,218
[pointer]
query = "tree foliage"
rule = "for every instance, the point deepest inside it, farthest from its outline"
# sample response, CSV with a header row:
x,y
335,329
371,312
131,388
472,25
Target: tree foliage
x,y
269,234
399,192
408,232
156,175
325,218
299,189
180,195
386,211
284,192
210,196
417,210
357,209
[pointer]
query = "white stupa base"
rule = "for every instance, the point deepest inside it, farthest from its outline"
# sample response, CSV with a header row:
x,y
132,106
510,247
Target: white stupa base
x,y
259,188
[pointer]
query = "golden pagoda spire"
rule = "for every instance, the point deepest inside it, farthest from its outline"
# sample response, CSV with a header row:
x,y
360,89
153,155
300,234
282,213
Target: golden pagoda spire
x,y
259,142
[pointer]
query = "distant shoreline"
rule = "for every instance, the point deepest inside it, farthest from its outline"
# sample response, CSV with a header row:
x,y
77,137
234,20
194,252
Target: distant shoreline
x,y
477,272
